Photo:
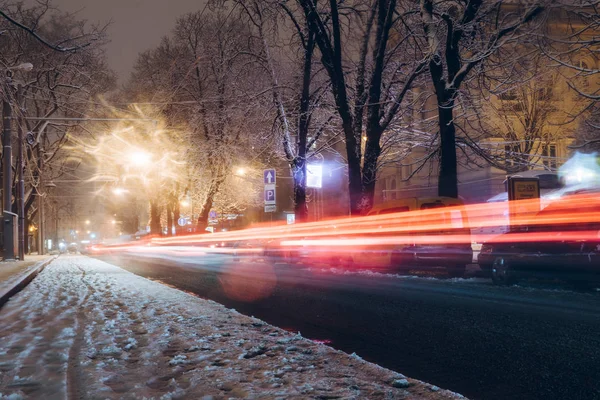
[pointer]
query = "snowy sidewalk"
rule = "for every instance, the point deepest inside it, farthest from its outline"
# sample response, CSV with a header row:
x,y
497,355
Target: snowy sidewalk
x,y
87,329
14,272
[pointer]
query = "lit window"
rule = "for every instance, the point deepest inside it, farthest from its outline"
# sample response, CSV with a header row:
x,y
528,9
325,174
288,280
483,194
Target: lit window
x,y
550,156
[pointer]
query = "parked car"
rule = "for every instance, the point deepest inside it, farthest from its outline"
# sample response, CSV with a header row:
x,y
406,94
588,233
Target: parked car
x,y
424,247
561,241
72,248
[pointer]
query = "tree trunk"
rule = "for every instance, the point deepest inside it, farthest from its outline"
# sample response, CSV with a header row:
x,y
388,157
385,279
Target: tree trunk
x,y
202,222
369,171
355,189
203,217
169,219
299,162
448,177
155,228
299,175
176,215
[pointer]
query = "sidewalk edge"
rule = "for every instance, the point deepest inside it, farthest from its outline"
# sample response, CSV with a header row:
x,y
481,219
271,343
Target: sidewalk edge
x,y
24,281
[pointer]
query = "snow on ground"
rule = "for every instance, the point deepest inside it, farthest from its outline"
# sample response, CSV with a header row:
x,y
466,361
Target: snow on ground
x,y
85,328
376,274
12,273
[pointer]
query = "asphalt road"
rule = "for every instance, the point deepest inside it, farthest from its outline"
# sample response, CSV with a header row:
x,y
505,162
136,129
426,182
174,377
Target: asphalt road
x,y
486,342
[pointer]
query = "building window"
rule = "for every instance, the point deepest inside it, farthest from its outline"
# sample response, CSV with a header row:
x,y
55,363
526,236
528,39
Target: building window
x,y
393,189
550,156
510,94
406,171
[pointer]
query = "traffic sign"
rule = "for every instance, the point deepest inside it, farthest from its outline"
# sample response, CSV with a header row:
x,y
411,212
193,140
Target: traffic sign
x,y
269,176
524,201
30,138
270,208
182,221
212,214
270,194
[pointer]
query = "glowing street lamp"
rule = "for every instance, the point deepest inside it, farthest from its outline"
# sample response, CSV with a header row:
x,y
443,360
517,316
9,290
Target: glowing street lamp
x,y
119,191
140,158
87,221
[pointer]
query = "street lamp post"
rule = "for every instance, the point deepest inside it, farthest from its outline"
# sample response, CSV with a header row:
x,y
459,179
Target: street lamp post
x,y
8,237
40,201
21,186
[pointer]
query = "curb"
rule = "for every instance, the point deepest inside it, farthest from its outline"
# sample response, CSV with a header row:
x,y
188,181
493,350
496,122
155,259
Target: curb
x,y
22,284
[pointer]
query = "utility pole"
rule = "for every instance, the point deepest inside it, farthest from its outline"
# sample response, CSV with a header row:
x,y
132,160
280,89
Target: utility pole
x,y
40,154
21,185
8,216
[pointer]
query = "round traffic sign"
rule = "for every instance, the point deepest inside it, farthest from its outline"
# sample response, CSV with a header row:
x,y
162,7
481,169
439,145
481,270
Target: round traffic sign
x,y
30,138
182,221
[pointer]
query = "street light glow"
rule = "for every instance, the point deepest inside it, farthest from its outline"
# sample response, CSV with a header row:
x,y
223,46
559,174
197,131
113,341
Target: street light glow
x,y
140,158
241,171
119,191
184,203
87,221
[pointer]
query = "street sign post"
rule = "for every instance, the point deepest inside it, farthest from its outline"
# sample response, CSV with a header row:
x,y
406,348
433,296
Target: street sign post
x,y
269,195
523,201
269,177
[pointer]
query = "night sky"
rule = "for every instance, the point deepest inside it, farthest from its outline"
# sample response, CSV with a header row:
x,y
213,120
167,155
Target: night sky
x,y
137,25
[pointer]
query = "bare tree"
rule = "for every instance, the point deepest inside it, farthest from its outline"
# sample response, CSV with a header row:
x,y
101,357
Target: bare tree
x,y
30,20
574,47
525,109
362,42
66,76
459,38
202,76
297,90
575,44
587,135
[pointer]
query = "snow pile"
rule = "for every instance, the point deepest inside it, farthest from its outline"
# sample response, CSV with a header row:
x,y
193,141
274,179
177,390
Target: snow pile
x,y
85,328
378,274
